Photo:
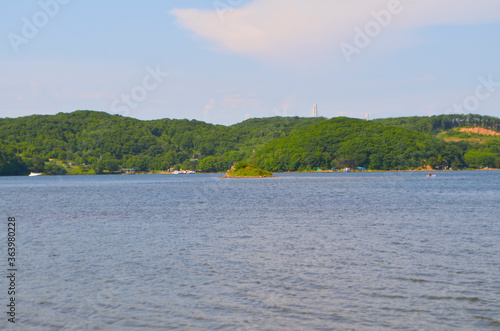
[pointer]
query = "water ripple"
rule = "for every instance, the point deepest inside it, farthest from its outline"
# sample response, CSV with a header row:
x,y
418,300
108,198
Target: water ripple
x,y
388,251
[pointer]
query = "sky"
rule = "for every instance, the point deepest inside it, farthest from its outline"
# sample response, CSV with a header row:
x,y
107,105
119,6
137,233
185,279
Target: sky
x,y
224,61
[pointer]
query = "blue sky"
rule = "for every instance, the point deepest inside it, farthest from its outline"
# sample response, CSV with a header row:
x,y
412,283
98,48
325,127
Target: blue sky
x,y
223,61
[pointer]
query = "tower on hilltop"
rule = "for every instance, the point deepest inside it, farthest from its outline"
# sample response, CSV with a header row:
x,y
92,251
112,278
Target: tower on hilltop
x,y
315,110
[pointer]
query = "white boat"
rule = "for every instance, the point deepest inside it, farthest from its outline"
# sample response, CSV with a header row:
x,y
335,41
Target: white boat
x,y
33,174
183,172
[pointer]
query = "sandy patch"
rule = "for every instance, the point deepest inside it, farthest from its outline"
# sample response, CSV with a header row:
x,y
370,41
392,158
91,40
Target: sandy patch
x,y
482,131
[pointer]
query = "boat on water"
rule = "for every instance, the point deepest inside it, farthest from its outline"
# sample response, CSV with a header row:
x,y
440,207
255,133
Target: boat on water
x,y
34,174
183,172
431,175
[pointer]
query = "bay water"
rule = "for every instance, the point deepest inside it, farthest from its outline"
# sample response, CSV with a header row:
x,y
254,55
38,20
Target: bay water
x,y
310,251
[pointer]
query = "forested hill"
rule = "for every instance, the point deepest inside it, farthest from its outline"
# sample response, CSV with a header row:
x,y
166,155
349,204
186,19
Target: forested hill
x,y
107,142
97,142
440,123
341,142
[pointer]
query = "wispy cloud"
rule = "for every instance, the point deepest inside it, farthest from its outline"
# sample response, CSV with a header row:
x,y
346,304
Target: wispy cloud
x,y
278,28
210,105
238,100
285,109
228,106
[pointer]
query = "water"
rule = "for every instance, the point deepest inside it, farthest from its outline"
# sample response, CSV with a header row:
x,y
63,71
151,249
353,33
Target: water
x,y
364,251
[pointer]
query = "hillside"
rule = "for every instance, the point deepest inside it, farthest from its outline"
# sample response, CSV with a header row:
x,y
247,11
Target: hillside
x,y
107,142
440,123
474,134
88,142
346,142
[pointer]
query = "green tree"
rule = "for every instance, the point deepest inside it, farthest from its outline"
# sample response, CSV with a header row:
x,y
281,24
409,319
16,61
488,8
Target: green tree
x,y
478,159
12,165
211,164
280,143
110,165
54,169
38,165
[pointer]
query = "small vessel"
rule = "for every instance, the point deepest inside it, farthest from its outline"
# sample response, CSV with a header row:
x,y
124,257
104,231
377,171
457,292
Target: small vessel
x,y
33,174
430,174
183,172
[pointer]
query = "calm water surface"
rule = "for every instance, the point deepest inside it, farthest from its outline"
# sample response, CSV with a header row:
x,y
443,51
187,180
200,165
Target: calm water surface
x,y
365,251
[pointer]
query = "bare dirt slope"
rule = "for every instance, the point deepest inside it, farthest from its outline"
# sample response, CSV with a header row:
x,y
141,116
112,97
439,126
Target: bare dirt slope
x,y
482,131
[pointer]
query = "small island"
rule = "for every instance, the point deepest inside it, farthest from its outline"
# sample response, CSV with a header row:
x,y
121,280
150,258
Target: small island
x,y
246,170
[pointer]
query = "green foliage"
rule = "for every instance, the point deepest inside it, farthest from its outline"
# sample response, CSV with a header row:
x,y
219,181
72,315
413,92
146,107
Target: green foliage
x,y
345,142
12,165
38,165
437,124
189,164
255,133
240,165
243,169
211,164
105,143
54,169
108,165
479,159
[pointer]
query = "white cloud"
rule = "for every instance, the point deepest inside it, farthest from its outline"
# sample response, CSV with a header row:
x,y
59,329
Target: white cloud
x,y
275,28
210,105
285,109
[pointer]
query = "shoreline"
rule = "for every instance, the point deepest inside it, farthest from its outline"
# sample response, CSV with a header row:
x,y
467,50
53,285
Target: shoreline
x,y
232,176
409,170
276,172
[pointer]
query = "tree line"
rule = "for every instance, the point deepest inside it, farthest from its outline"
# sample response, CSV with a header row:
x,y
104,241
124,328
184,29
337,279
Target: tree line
x,y
97,142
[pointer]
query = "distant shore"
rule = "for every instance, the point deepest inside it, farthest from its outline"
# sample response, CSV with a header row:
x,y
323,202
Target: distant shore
x,y
407,170
316,172
225,175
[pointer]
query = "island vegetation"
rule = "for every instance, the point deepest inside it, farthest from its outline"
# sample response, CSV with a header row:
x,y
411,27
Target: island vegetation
x,y
244,169
90,142
442,123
